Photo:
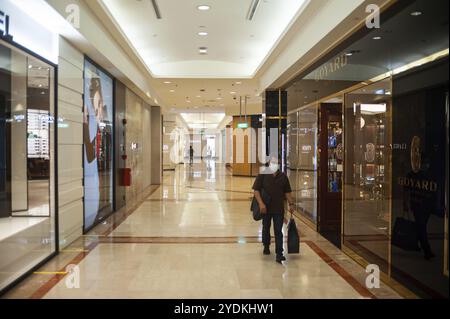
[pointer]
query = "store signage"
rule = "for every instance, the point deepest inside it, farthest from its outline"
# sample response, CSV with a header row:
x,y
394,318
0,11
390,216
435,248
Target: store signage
x,y
242,125
4,26
424,185
331,67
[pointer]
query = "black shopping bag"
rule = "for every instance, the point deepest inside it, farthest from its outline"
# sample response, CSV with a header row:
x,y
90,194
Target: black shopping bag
x,y
404,234
254,207
293,242
257,216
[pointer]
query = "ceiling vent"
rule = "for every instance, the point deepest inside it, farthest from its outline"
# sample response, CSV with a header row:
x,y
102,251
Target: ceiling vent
x,y
156,8
252,10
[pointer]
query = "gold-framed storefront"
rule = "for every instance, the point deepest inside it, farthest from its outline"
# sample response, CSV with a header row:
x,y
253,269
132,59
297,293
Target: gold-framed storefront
x,y
366,200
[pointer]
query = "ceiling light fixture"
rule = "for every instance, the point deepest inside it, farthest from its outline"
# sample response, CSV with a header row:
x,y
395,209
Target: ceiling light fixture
x,y
416,13
203,50
376,38
349,54
238,83
172,91
156,9
203,33
203,7
167,82
252,10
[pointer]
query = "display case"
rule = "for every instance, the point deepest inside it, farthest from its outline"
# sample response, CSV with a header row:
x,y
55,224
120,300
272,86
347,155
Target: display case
x,y
335,157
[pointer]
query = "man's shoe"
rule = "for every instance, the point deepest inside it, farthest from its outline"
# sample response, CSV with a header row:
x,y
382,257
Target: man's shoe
x,y
266,251
280,259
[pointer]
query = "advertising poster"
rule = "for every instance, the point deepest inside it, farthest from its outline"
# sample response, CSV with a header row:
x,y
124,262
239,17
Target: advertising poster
x,y
98,142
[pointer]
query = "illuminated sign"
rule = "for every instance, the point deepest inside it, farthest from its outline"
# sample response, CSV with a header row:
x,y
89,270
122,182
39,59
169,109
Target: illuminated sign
x,y
242,125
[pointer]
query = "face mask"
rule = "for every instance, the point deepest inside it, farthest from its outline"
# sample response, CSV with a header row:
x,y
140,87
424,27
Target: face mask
x,y
274,167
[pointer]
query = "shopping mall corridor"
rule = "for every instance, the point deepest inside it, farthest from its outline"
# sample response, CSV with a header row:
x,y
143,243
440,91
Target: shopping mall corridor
x,y
194,237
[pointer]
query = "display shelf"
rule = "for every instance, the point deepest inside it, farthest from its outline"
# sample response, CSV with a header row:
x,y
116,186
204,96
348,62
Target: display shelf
x,y
38,134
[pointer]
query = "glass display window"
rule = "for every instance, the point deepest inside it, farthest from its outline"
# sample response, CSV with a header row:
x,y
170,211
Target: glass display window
x,y
307,167
27,163
367,199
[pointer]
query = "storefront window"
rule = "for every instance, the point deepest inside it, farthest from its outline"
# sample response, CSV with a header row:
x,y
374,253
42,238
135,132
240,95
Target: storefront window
x,y
307,163
27,163
419,181
367,171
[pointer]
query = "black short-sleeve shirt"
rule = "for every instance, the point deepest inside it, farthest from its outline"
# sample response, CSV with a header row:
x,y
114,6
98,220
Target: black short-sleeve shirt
x,y
276,186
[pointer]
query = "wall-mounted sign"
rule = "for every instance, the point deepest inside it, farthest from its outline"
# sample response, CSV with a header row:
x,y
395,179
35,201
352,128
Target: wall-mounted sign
x,y
4,26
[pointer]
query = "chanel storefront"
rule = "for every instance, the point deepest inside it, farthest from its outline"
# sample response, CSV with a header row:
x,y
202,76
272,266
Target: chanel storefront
x,y
368,146
27,147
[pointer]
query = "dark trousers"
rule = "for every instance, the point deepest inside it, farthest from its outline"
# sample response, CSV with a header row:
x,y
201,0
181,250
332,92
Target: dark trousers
x,y
278,220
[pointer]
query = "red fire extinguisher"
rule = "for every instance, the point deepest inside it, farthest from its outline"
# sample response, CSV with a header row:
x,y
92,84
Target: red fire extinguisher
x,y
126,177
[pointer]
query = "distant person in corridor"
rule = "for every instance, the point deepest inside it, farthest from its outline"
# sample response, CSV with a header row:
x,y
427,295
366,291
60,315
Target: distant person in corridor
x,y
191,155
276,185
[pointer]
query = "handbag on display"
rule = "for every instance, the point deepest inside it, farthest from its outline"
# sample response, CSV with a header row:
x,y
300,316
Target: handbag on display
x,y
257,216
404,234
293,241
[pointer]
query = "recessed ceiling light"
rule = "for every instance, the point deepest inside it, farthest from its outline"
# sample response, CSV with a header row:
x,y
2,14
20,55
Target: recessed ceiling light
x,y
238,83
233,92
30,66
167,82
416,13
203,33
349,54
219,98
199,96
172,91
203,50
376,38
203,7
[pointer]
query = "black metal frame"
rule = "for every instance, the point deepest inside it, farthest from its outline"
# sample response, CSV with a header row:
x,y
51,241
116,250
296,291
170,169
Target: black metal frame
x,y
113,210
55,170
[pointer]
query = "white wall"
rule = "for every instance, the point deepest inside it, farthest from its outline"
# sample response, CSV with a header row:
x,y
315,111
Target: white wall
x,y
70,140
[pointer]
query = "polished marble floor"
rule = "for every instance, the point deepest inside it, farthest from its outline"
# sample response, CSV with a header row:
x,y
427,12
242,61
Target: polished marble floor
x,y
193,237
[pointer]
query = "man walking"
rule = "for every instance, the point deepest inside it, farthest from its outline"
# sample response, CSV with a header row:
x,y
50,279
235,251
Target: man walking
x,y
191,155
277,187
